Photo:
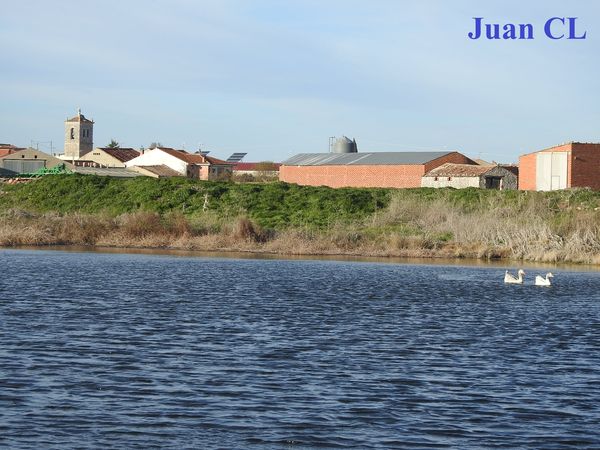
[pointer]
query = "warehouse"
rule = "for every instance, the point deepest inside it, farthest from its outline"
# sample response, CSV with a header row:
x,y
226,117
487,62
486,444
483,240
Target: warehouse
x,y
570,165
30,160
381,169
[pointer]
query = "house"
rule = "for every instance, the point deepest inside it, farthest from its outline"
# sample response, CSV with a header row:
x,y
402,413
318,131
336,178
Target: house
x,y
575,164
111,157
468,175
29,160
383,169
191,165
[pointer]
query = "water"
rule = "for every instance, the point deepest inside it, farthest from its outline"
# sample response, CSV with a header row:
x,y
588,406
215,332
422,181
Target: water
x,y
141,351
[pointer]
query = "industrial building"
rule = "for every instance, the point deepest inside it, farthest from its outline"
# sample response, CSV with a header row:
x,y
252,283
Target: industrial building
x,y
469,175
29,160
570,165
346,167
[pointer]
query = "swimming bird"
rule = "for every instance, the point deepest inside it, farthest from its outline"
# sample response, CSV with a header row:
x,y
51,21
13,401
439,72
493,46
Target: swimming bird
x,y
508,278
541,281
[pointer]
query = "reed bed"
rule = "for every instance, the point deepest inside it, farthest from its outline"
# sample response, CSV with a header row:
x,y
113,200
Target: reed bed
x,y
406,228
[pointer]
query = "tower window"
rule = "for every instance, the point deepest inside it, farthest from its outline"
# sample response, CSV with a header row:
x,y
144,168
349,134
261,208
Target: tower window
x,y
72,133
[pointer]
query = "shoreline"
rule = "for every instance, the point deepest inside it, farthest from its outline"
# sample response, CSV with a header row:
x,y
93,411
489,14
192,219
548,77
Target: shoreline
x,y
338,257
288,220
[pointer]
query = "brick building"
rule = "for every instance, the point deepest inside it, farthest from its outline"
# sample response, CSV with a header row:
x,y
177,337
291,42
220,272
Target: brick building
x,y
382,169
468,175
574,164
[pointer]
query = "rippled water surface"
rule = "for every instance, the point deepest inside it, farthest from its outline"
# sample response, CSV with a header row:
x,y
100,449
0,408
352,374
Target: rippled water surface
x,y
140,351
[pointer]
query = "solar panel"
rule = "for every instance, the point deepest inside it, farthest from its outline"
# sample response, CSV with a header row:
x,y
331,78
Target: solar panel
x,y
236,157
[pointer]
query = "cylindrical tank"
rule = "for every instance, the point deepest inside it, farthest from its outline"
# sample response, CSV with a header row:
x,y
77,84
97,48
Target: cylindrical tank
x,y
345,145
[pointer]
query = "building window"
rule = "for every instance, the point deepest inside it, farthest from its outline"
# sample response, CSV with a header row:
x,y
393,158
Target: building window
x,y
449,178
435,179
72,133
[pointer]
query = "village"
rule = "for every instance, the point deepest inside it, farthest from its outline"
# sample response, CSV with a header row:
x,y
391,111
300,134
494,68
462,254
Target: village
x,y
568,165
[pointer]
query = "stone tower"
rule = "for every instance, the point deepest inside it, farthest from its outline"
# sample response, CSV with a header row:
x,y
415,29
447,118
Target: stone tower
x,y
79,136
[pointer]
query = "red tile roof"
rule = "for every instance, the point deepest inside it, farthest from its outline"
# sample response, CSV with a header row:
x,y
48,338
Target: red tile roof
x,y
80,118
190,158
7,149
122,154
217,161
458,170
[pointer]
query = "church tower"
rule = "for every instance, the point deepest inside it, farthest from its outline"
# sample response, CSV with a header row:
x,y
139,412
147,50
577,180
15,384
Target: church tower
x,y
79,136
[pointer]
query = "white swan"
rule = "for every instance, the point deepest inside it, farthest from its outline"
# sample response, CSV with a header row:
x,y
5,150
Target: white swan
x,y
541,281
508,278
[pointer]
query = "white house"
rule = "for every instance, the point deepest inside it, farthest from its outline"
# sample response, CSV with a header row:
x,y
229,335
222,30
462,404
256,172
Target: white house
x,y
186,164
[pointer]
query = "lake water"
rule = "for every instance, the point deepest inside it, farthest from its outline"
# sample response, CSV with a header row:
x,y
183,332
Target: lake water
x,y
141,351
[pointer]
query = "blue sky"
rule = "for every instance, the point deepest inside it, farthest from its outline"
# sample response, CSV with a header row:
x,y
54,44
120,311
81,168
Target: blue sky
x,y
275,78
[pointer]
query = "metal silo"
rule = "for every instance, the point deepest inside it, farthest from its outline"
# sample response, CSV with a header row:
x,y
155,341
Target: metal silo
x,y
345,145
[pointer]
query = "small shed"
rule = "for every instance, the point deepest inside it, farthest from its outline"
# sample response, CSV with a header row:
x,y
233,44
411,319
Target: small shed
x,y
467,175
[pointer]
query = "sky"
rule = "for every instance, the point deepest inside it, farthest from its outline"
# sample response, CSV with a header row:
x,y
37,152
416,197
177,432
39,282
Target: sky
x,y
274,78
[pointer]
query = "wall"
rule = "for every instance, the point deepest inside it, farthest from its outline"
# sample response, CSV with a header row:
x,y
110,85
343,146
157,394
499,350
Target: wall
x,y
101,157
585,166
157,157
216,172
399,176
80,144
395,176
527,172
455,182
509,179
454,157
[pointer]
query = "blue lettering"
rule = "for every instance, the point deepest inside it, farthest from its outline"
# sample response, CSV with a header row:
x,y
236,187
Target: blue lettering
x,y
477,33
548,27
572,31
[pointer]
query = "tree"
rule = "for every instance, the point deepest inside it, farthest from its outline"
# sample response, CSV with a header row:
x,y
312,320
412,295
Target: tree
x,y
113,144
153,145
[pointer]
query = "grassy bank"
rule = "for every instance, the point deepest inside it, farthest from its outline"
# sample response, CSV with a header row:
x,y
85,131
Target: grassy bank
x,y
289,219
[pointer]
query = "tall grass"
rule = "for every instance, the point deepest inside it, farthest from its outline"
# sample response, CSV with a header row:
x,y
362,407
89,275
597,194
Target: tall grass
x,y
282,218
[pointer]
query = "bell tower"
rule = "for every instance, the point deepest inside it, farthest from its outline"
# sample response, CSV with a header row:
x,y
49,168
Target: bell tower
x,y
79,136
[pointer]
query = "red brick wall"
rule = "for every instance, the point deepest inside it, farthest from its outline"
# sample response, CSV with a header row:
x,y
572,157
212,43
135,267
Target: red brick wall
x,y
527,172
585,166
395,176
399,176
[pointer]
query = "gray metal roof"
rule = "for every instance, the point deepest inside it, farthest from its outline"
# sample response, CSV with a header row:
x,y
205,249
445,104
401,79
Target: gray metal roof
x,y
118,172
360,159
